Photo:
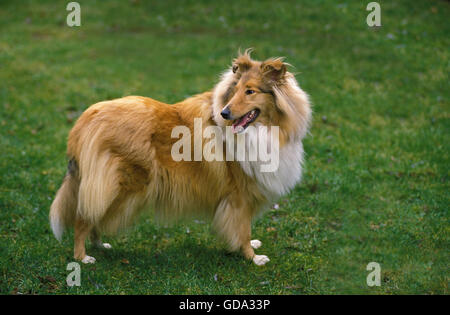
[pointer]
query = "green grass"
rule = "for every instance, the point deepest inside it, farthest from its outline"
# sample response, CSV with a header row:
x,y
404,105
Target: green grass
x,y
375,186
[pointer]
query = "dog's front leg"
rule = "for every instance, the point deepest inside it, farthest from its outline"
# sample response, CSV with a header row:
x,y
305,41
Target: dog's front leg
x,y
248,252
232,221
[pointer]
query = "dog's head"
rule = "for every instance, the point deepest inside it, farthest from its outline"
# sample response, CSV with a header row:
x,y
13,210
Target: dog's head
x,y
253,92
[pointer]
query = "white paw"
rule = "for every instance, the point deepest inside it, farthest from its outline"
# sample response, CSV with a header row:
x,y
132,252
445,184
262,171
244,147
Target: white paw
x,y
261,260
106,245
88,260
102,245
255,244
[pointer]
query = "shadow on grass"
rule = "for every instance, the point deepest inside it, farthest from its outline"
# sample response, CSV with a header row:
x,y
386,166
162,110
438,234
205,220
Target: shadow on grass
x,y
176,254
183,267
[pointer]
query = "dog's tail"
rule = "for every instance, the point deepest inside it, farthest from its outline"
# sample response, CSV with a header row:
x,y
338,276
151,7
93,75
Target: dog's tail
x,y
64,206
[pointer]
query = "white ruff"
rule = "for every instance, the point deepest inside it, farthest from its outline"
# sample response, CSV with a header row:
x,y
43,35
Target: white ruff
x,y
288,172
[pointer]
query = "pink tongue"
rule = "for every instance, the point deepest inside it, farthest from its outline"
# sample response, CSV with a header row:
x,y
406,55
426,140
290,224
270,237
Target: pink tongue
x,y
241,122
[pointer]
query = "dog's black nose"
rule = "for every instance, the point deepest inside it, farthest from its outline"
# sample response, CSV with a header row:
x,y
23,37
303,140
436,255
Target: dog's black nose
x,y
226,114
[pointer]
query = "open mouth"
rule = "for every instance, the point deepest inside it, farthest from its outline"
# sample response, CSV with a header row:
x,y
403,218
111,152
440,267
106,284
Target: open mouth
x,y
240,124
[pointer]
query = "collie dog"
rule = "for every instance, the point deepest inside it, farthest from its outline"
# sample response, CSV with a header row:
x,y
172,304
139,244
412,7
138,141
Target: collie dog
x,y
121,158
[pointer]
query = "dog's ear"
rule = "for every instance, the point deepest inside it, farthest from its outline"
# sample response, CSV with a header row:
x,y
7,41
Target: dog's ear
x,y
273,70
243,62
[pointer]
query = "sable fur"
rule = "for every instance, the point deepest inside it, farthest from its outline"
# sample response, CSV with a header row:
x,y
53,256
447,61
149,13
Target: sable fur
x,y
121,163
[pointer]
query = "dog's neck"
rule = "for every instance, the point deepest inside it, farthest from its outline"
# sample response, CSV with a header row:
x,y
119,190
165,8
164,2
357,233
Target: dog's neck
x,y
277,175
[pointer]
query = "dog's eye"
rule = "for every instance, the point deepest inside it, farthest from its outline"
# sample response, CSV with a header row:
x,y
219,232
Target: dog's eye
x,y
248,92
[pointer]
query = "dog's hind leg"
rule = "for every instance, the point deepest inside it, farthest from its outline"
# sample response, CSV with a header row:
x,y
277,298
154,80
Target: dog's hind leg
x,y
82,230
97,240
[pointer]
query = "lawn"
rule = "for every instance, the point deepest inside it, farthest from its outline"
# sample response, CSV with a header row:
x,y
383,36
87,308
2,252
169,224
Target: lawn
x,y
375,187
